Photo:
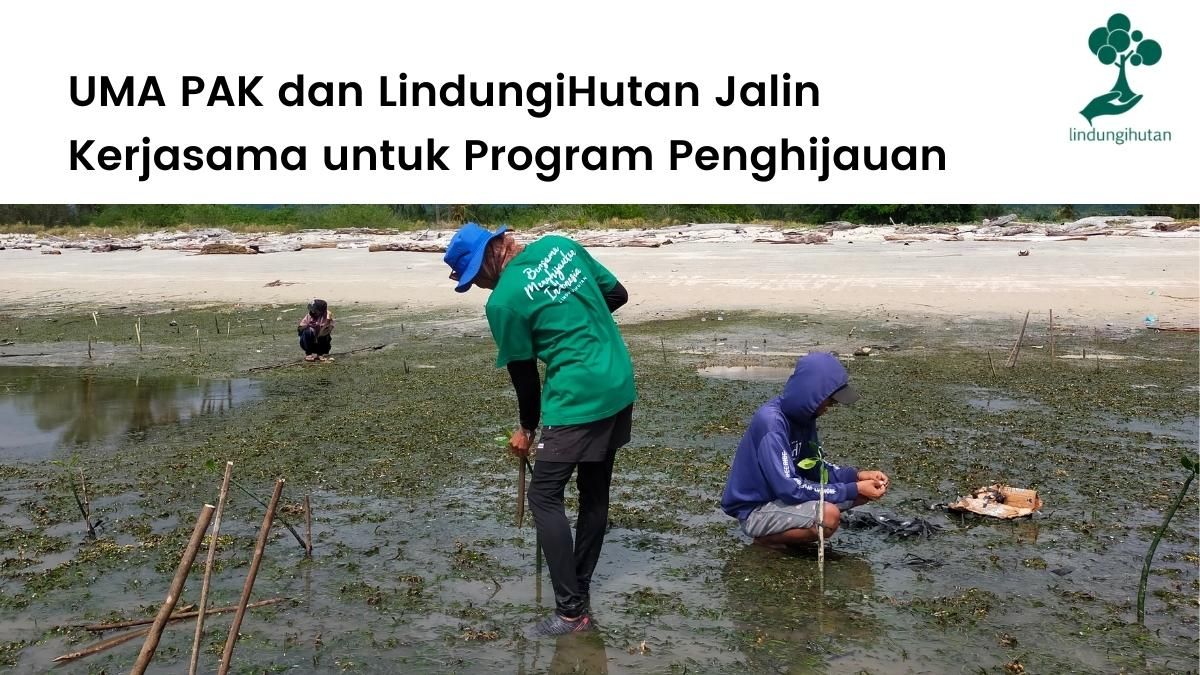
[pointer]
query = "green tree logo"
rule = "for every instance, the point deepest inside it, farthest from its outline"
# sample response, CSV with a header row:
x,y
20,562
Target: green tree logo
x,y
1116,45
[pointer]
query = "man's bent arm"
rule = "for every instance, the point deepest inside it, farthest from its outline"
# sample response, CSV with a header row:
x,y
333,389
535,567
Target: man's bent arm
x,y
527,383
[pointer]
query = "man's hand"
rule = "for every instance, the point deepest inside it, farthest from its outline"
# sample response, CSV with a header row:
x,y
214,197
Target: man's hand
x,y
521,441
877,476
871,489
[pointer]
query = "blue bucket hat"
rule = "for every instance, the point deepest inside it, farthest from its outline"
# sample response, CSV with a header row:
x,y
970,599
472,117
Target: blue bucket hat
x,y
464,255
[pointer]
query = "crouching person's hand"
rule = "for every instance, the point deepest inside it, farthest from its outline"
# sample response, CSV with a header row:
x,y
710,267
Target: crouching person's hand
x,y
871,489
878,476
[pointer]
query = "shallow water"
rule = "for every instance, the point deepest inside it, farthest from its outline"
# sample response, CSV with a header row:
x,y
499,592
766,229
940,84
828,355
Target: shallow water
x,y
46,412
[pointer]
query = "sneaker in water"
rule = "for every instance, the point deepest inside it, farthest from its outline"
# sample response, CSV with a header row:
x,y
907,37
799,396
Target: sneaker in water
x,y
557,625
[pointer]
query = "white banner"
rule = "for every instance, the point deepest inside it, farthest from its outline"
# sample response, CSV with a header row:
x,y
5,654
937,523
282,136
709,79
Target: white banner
x,y
912,102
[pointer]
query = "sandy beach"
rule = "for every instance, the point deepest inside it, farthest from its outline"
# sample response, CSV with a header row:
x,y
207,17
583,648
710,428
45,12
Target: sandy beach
x,y
1104,280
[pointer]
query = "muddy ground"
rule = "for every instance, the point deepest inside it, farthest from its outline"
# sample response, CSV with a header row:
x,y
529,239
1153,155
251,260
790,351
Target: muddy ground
x,y
419,566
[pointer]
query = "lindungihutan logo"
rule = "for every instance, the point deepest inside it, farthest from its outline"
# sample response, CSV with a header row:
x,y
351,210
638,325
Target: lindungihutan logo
x,y
1117,44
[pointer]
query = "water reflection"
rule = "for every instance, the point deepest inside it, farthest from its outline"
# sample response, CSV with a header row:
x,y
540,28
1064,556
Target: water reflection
x,y
579,653
780,613
45,409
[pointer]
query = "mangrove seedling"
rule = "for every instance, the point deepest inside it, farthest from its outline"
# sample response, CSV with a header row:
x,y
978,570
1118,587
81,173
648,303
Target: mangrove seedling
x,y
1193,468
805,464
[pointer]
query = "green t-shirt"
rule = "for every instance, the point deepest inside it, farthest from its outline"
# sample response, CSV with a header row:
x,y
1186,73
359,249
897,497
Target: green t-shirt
x,y
549,304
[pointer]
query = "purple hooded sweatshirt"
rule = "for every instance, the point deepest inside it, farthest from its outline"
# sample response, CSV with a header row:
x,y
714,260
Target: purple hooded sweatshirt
x,y
782,433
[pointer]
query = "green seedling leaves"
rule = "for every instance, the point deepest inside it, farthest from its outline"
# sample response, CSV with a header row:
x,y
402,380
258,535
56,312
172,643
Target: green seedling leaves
x,y
1190,463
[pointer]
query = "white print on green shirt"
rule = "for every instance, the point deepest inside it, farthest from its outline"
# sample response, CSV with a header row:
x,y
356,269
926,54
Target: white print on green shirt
x,y
554,281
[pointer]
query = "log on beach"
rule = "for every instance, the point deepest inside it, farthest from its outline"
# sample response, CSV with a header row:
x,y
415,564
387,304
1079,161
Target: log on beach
x,y
226,249
411,246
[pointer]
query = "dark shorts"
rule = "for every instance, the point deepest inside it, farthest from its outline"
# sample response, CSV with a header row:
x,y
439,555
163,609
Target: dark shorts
x,y
589,442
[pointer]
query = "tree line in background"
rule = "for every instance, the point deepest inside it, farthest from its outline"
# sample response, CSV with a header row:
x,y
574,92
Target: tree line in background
x,y
412,216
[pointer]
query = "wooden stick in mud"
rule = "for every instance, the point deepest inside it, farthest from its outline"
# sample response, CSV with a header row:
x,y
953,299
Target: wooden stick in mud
x,y
168,606
208,568
990,364
228,327
1016,352
177,616
137,329
83,510
95,320
197,339
126,637
87,504
263,534
1052,334
521,491
103,645
89,346
261,328
217,325
308,526
251,495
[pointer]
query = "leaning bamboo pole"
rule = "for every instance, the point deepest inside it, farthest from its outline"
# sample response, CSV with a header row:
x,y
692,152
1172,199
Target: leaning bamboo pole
x,y
263,534
208,568
168,606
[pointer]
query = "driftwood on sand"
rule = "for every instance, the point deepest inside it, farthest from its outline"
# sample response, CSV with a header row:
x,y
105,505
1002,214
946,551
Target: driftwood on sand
x,y
789,238
230,249
413,246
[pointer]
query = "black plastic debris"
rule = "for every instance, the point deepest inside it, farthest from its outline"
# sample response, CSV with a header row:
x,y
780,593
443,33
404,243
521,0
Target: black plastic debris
x,y
889,525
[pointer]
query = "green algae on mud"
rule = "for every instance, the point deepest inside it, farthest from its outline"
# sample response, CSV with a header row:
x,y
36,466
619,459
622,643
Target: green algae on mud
x,y
418,562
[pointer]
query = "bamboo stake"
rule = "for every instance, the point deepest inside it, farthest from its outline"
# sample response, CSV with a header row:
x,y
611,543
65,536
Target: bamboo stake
x,y
228,327
95,320
104,645
178,616
217,325
251,495
521,491
137,329
1016,352
1051,334
89,347
663,342
308,525
181,574
821,524
83,510
263,534
126,637
208,568
87,504
990,364
197,339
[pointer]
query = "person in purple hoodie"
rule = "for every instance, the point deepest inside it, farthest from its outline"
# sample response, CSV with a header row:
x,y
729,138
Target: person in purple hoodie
x,y
775,502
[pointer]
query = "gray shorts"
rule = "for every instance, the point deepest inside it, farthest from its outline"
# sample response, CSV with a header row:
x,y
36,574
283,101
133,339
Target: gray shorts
x,y
777,517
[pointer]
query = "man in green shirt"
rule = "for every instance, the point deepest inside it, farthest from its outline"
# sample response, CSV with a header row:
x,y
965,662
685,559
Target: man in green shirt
x,y
552,302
